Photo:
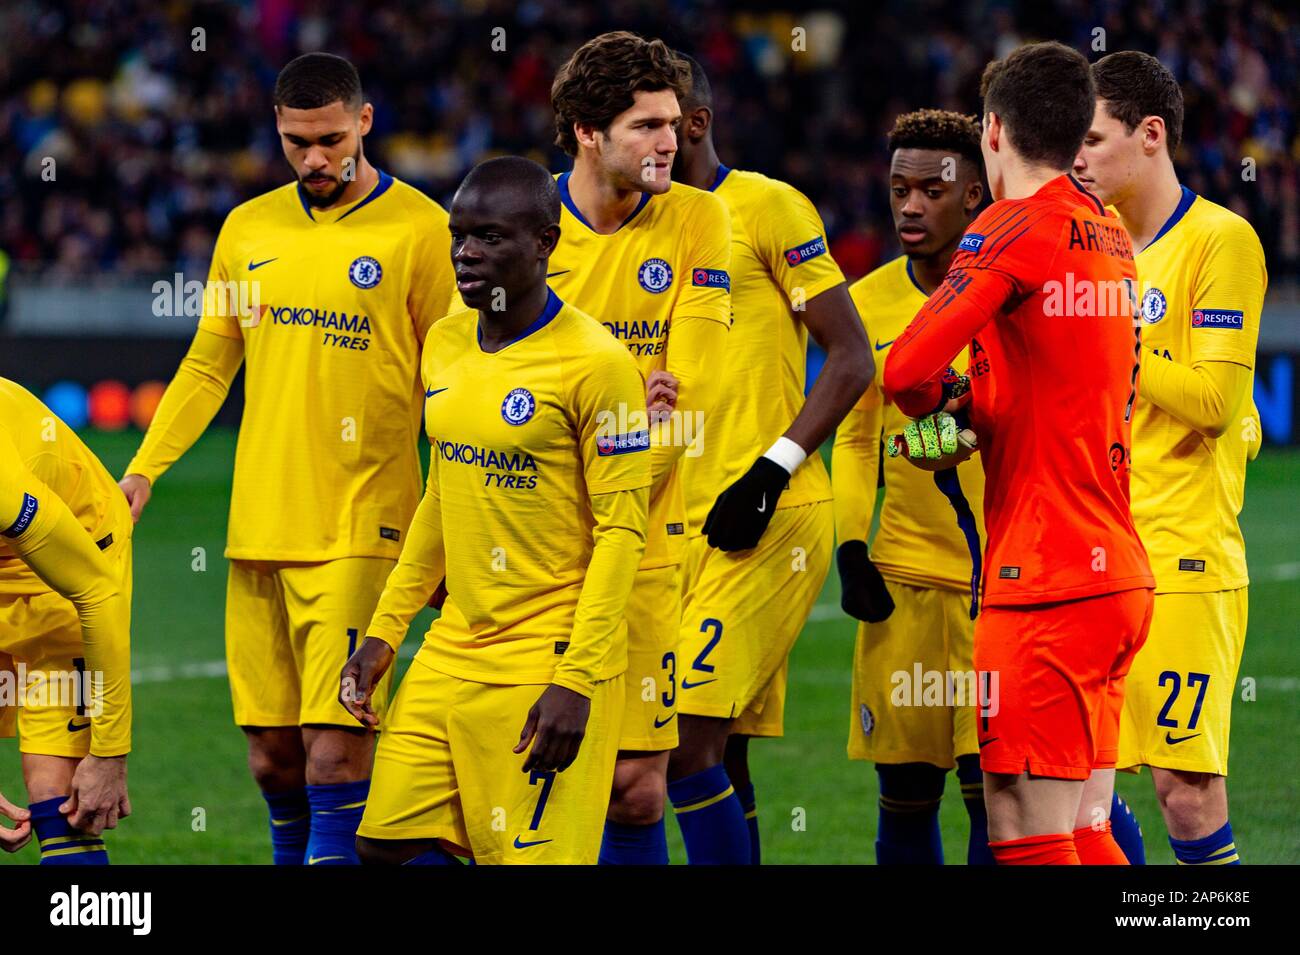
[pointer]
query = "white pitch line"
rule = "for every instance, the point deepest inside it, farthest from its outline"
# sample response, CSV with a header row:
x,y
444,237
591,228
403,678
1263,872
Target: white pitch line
x,y
821,612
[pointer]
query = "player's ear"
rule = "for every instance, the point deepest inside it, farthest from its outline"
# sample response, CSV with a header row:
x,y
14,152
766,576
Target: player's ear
x,y
974,196
585,135
367,118
1153,135
547,240
698,122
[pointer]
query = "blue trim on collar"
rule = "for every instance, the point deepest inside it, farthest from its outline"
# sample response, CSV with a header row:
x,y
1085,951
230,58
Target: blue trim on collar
x,y
1078,185
552,308
1184,204
912,275
722,174
385,181
567,199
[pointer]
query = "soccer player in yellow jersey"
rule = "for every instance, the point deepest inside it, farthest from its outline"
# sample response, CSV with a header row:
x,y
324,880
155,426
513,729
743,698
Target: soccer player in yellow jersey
x,y
929,544
65,630
651,262
1202,274
339,276
757,497
502,739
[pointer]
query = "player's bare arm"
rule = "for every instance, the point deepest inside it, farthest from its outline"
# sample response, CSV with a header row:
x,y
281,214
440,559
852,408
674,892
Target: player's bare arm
x,y
834,324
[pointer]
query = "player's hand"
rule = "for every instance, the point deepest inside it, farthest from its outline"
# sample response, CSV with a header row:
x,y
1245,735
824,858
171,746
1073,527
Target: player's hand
x,y
956,391
138,490
863,594
11,840
933,443
99,797
742,512
360,675
439,595
555,726
661,395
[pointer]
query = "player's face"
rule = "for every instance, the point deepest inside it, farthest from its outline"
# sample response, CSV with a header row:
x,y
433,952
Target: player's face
x,y
1108,164
932,197
637,150
324,147
495,250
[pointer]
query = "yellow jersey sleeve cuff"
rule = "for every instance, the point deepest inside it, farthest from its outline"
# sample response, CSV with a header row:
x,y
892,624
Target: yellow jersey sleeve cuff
x,y
572,682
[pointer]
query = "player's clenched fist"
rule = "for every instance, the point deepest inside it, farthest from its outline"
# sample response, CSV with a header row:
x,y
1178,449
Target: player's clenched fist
x,y
661,395
933,443
360,675
555,726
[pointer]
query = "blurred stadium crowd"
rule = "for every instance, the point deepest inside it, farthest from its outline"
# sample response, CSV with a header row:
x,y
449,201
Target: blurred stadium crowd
x,y
158,119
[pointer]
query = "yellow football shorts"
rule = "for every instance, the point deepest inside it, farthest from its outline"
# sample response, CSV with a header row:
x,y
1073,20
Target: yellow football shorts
x,y
444,769
289,630
741,614
1178,696
42,634
654,614
902,708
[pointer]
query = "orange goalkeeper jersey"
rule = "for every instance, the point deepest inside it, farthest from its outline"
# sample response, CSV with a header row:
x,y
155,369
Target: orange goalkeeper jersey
x,y
1043,289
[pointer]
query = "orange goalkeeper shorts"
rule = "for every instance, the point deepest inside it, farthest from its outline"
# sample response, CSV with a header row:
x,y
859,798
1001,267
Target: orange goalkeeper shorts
x,y
1052,682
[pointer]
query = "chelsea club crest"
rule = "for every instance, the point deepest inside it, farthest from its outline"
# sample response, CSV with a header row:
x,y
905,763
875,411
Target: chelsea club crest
x,y
518,406
1153,306
365,272
655,275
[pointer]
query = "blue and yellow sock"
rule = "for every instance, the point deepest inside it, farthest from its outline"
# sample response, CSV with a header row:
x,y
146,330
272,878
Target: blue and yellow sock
x,y
1218,848
290,825
749,805
1126,831
712,822
625,844
971,778
60,843
908,833
336,810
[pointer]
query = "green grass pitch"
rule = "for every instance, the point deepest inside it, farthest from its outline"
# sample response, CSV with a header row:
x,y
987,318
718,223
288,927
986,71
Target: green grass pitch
x,y
815,806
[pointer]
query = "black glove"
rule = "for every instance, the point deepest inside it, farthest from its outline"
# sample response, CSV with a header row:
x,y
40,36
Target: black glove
x,y
742,512
863,594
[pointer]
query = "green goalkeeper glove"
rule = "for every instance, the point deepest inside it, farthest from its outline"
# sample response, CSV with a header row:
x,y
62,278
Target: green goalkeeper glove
x,y
930,439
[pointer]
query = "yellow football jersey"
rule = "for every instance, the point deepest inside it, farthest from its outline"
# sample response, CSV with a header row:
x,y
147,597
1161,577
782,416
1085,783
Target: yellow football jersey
x,y
779,260
339,305
921,540
521,439
47,448
1203,281
668,262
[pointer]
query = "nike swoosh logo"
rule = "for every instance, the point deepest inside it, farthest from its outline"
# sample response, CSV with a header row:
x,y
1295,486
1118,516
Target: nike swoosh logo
x,y
315,859
433,391
287,822
881,346
987,741
254,266
762,505
1172,741
688,685
661,723
528,845
73,727
551,275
